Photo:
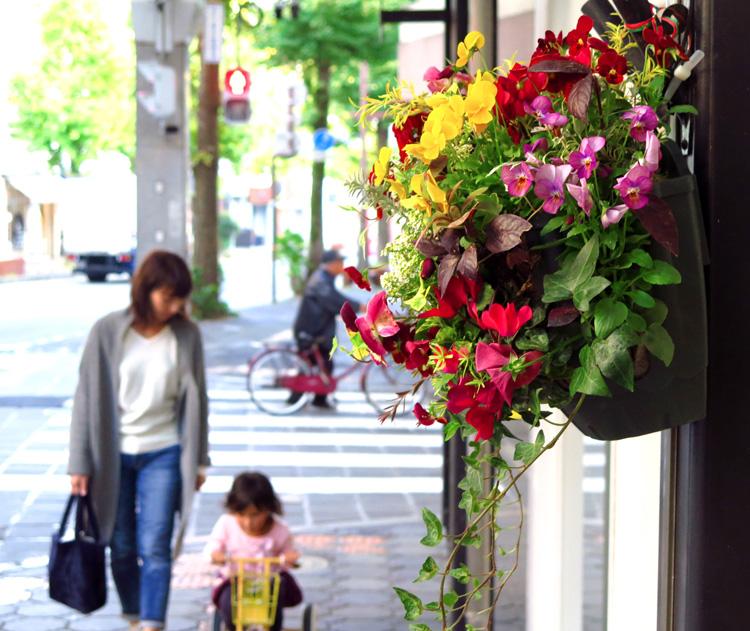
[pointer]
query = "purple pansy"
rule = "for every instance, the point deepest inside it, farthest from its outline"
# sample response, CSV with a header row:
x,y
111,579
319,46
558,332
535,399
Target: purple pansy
x,y
582,195
550,180
584,160
652,153
635,186
518,179
642,119
613,215
541,107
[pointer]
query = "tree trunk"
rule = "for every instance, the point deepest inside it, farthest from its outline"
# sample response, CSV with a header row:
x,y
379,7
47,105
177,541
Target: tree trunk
x,y
322,99
383,225
205,211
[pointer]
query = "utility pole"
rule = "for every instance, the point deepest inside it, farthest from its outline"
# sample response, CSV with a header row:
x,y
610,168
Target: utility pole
x,y
163,30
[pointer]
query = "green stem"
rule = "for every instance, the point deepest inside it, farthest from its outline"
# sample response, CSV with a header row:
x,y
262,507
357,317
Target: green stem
x,y
547,246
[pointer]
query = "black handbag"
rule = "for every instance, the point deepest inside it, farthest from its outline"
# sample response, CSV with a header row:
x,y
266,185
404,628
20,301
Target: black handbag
x,y
77,576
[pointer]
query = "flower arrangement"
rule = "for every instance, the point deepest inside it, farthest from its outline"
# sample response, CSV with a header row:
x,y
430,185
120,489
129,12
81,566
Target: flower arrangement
x,y
524,274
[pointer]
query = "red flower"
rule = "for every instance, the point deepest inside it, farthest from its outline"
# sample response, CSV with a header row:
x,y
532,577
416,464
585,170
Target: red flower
x,y
482,420
560,82
417,356
505,320
461,291
409,132
424,417
662,44
577,40
612,66
495,360
356,277
378,321
349,317
461,397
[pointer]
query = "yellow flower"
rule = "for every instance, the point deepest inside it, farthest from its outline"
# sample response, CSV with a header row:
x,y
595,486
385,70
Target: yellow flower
x,y
480,101
397,188
472,42
429,147
381,166
435,193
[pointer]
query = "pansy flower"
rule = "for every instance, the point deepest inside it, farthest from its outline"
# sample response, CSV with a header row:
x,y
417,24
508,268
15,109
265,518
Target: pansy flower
x,y
549,186
541,107
635,186
642,119
612,67
518,179
584,160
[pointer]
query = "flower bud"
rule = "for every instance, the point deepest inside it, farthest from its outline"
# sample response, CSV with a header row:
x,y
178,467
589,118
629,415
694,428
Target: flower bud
x,y
428,269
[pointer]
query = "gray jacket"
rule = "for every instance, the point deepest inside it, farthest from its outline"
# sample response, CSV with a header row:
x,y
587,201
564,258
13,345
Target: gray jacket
x,y
95,424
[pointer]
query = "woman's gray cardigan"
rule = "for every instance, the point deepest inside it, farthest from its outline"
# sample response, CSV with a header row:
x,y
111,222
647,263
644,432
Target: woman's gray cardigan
x,y
95,425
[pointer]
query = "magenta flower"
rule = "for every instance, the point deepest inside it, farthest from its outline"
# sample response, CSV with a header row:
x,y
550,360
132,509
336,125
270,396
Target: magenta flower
x,y
518,179
378,323
584,160
642,119
613,215
652,154
549,186
529,150
541,107
582,195
438,80
635,186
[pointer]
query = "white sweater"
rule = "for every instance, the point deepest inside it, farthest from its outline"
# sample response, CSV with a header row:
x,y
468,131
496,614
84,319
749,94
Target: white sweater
x,y
148,392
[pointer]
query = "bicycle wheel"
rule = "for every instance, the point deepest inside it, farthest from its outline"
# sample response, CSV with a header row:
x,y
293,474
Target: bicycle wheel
x,y
381,384
268,381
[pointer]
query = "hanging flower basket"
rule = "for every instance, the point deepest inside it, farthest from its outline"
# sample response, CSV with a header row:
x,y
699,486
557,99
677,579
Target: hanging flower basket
x,y
533,269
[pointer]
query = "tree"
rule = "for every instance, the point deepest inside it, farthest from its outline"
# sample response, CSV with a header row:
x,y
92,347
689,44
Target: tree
x,y
327,40
78,101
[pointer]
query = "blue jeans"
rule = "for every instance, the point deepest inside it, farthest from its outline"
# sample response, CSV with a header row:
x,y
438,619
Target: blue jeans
x,y
150,488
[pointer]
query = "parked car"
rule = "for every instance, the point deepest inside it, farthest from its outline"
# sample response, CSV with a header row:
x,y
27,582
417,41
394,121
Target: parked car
x,y
97,265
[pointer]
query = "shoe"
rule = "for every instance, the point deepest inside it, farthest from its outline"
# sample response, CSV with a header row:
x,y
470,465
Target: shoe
x,y
322,404
294,397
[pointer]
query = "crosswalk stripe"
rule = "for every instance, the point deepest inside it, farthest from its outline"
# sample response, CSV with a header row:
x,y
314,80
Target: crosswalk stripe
x,y
304,485
318,459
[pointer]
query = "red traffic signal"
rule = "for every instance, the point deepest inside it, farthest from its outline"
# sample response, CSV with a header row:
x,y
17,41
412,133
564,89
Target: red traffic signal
x,y
237,82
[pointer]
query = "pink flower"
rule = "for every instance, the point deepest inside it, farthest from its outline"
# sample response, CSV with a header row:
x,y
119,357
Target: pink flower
x,y
541,107
378,322
582,195
549,186
642,119
613,215
652,154
438,80
496,359
584,160
635,186
518,179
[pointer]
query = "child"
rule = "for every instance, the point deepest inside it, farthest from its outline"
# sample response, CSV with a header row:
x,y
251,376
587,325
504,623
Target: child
x,y
252,528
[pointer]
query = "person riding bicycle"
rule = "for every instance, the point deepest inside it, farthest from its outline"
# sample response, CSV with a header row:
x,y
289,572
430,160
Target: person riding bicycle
x,y
315,324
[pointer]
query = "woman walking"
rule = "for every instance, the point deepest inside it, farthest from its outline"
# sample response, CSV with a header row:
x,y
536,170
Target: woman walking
x,y
139,432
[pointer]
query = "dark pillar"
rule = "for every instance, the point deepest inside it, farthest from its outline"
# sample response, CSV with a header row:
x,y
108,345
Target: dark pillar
x,y
712,541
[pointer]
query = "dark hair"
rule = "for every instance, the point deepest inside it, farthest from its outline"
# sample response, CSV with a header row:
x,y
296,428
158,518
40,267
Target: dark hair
x,y
252,489
160,269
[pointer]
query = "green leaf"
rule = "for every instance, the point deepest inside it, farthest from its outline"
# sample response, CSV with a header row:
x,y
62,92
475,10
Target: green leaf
x,y
583,265
434,528
419,626
472,482
657,314
450,429
461,574
659,343
555,288
614,360
413,607
552,224
662,273
533,340
636,322
428,570
526,452
642,299
683,109
608,315
450,598
574,273
587,378
639,257
588,290
432,606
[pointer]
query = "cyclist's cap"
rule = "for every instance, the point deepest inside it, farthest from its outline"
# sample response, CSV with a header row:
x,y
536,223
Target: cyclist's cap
x,y
329,256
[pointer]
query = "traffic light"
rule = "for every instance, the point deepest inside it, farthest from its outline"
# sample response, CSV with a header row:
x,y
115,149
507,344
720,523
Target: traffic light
x,y
237,95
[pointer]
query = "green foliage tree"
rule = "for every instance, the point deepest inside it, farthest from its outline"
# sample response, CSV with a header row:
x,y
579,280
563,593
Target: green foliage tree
x,y
78,100
327,41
